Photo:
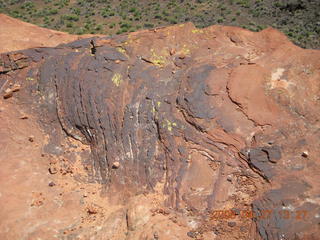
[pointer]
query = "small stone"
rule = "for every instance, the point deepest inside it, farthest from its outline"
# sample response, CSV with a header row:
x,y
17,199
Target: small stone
x,y
156,236
236,211
31,138
117,61
216,232
229,178
8,93
232,224
51,184
305,154
192,234
53,170
24,117
243,229
16,88
297,167
92,210
116,165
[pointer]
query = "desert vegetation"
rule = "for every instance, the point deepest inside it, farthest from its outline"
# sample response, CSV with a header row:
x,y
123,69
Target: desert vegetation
x,y
298,19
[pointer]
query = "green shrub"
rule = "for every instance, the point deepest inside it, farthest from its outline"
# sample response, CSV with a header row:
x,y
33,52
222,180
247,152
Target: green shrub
x,y
70,17
52,11
132,10
220,20
172,20
27,5
148,25
125,25
76,11
80,31
98,27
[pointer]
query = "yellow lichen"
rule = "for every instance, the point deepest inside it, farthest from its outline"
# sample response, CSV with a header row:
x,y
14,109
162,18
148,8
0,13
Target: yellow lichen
x,y
197,31
156,59
117,79
185,50
153,110
158,104
122,50
169,125
29,79
132,38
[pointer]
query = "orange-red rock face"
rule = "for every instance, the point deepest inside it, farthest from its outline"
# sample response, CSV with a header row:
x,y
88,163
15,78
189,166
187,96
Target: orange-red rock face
x,y
17,35
218,128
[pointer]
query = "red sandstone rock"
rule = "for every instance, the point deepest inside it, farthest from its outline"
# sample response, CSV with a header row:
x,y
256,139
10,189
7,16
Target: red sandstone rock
x,y
17,35
211,123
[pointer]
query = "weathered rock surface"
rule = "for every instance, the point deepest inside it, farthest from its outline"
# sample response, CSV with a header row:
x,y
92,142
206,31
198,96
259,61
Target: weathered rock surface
x,y
203,119
17,35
